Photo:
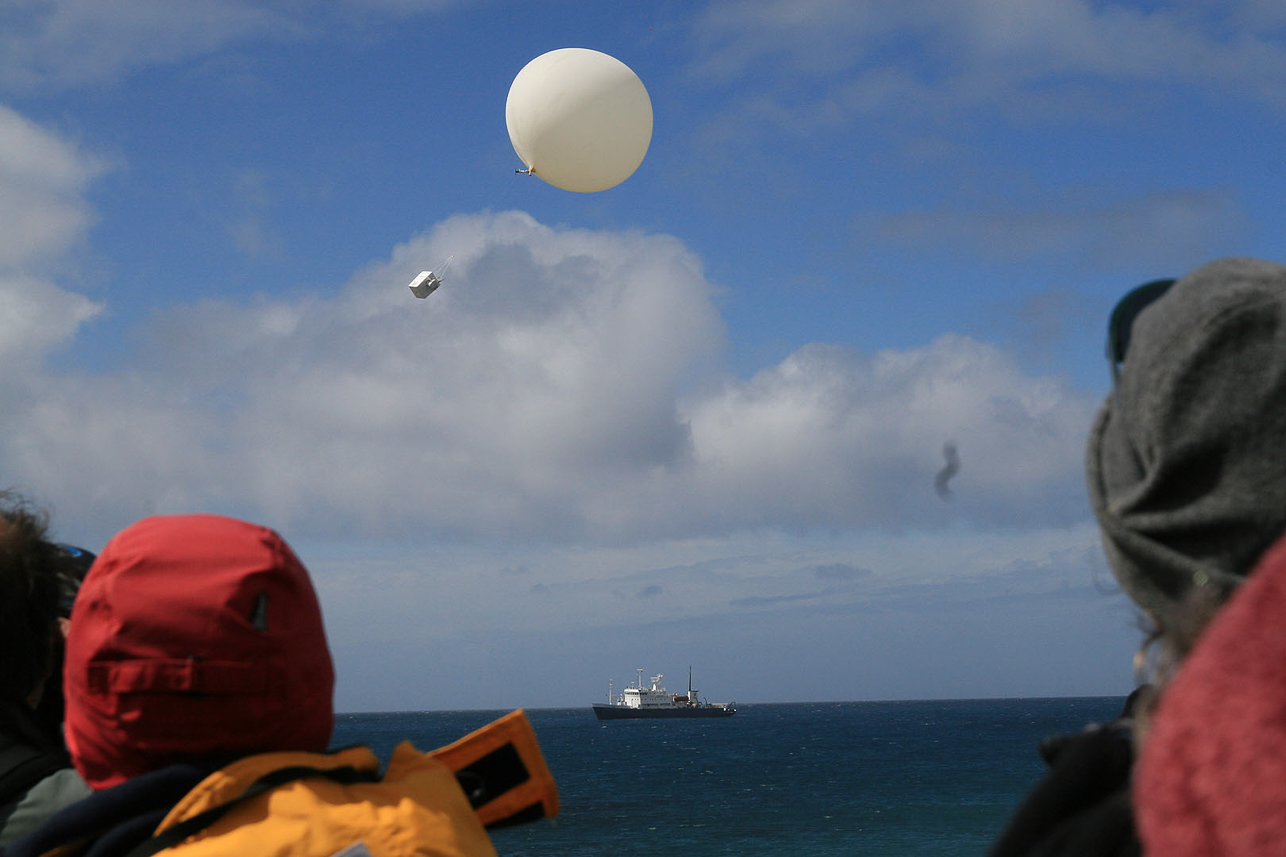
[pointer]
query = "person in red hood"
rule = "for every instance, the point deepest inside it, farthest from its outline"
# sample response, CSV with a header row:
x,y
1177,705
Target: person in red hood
x,y
195,639
198,686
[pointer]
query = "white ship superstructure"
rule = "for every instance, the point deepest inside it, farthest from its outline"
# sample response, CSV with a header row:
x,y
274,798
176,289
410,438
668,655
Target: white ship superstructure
x,y
655,696
638,701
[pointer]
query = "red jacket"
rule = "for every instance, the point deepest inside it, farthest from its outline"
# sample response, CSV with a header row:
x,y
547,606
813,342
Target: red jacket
x,y
1211,778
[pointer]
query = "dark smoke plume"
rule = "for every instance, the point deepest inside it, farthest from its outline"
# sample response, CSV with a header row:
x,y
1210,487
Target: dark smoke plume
x,y
945,474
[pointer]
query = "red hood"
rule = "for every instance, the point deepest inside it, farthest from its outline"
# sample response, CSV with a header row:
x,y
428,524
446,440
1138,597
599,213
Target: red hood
x,y
194,637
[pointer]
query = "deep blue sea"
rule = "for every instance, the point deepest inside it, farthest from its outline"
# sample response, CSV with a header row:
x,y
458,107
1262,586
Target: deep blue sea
x,y
833,778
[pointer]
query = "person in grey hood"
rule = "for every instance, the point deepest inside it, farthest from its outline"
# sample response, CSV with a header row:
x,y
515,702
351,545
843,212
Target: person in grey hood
x,y
1187,459
1186,470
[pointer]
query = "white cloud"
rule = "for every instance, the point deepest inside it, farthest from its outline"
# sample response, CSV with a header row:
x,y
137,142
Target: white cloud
x,y
561,386
738,34
452,591
251,230
832,439
1157,229
36,315
42,178
59,43
42,181
73,42
826,61
1231,43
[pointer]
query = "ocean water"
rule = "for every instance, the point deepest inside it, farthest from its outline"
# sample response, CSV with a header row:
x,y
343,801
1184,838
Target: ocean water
x,y
835,778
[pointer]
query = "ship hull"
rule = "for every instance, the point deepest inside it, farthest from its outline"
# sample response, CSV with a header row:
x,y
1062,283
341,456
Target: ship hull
x,y
621,712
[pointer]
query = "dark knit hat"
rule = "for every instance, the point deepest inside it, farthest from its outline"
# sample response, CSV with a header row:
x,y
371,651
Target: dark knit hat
x,y
194,638
1187,458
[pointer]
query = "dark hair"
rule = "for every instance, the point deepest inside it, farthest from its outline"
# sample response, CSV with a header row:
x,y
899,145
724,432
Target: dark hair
x,y
29,597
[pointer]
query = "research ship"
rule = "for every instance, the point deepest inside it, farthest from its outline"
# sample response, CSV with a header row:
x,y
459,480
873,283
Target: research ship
x,y
639,702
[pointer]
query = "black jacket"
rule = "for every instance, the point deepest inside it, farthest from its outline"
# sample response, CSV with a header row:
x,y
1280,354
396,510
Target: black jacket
x,y
1081,808
27,756
113,821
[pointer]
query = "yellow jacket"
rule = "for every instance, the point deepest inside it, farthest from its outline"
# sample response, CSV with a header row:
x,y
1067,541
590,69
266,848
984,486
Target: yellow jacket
x,y
323,804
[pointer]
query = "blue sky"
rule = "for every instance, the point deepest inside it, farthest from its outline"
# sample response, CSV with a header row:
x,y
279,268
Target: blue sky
x,y
694,419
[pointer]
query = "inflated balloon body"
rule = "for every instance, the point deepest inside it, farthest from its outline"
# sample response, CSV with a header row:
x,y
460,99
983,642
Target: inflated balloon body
x,y
579,119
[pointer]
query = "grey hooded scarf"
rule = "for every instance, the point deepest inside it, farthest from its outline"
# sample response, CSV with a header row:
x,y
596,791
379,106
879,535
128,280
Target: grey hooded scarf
x,y
1187,458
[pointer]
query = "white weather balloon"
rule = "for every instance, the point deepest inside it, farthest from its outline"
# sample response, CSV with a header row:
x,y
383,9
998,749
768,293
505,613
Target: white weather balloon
x,y
579,119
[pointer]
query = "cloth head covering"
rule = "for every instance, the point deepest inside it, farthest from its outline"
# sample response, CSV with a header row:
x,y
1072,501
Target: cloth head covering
x,y
1211,776
194,638
1187,458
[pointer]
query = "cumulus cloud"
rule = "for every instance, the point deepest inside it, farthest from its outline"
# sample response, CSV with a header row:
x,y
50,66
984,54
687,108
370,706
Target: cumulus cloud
x,y
545,368
36,316
562,385
834,439
42,179
42,183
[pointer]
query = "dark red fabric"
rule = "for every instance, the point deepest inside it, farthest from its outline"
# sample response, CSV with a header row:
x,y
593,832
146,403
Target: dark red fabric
x,y
194,637
1211,778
